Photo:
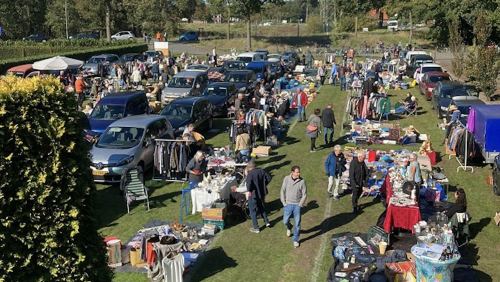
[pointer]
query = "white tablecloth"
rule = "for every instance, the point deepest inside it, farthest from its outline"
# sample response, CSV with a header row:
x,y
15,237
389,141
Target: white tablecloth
x,y
201,196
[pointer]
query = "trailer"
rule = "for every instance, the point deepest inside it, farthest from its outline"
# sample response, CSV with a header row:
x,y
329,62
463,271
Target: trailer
x,y
486,124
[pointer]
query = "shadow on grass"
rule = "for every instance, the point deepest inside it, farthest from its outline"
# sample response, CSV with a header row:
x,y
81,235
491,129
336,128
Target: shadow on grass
x,y
328,224
213,261
476,227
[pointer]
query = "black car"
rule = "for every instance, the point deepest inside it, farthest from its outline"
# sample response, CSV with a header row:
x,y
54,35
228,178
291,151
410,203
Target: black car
x,y
444,91
229,66
184,111
275,70
241,78
37,37
130,57
86,35
221,95
293,57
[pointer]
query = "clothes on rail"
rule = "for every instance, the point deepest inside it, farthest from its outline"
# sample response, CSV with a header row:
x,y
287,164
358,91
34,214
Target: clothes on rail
x,y
171,158
361,107
462,142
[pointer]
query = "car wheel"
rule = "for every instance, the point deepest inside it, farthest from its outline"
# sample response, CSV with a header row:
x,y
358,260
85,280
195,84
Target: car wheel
x,y
182,39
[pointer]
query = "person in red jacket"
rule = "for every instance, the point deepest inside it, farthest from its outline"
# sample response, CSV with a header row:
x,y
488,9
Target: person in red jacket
x,y
301,102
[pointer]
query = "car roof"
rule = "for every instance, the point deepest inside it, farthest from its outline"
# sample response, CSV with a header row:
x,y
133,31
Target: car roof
x,y
257,64
422,56
467,102
430,65
220,84
188,100
189,73
437,73
137,120
450,84
21,67
247,54
240,71
120,98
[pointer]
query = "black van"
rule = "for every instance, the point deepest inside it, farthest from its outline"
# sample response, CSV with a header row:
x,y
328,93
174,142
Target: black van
x,y
116,106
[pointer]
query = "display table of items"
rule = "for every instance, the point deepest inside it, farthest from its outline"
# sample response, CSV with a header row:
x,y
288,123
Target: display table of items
x,y
164,251
435,262
211,190
364,132
224,158
363,257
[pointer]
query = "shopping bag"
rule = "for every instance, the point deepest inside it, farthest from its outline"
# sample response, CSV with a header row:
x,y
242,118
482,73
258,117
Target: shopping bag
x,y
330,80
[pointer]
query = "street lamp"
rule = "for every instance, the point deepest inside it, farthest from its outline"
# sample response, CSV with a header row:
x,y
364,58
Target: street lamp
x,y
298,26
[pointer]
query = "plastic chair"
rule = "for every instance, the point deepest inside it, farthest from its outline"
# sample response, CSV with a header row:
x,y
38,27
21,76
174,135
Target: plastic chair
x,y
186,198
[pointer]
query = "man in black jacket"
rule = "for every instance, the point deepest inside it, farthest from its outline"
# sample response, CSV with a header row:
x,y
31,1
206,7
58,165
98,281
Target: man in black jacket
x,y
328,121
257,181
358,175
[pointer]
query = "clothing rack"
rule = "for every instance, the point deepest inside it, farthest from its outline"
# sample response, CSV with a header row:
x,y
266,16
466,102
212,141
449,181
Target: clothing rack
x,y
183,180
464,165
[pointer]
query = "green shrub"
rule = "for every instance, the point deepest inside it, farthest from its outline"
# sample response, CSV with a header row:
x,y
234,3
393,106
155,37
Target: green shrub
x,y
48,230
314,24
76,54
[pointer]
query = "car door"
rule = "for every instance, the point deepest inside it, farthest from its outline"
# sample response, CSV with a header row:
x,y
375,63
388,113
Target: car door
x,y
423,84
197,114
231,94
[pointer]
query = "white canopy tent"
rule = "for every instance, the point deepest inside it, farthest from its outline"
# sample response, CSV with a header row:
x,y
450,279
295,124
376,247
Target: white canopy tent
x,y
57,63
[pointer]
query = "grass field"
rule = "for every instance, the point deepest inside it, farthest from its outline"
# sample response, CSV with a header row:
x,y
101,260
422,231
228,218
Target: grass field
x,y
270,256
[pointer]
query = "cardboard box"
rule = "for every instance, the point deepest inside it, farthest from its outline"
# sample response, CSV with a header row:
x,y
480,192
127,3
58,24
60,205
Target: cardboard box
x,y
386,125
214,213
401,271
262,151
114,253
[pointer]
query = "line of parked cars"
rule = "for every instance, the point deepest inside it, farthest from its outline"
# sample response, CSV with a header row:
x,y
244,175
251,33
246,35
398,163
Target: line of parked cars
x,y
438,86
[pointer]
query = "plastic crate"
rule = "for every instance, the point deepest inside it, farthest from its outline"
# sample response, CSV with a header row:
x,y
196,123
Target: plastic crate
x,y
219,223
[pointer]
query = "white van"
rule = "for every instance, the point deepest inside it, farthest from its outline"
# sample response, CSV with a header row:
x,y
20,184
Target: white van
x,y
411,54
250,57
392,25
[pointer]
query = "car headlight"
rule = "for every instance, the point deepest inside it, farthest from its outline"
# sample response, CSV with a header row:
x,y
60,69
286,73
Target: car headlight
x,y
444,108
125,161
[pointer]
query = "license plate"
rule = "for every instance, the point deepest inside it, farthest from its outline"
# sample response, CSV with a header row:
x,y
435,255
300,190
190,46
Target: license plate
x,y
98,172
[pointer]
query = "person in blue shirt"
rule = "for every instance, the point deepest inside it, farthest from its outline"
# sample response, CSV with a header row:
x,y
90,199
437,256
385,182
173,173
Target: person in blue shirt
x,y
334,74
455,117
334,167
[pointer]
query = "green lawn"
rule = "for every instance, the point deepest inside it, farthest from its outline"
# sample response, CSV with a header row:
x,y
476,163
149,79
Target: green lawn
x,y
270,256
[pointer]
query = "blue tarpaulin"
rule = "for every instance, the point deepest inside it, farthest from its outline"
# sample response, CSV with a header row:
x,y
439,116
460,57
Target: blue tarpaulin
x,y
487,127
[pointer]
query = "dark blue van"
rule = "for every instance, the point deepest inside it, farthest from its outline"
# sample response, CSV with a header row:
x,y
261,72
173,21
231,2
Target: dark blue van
x,y
260,68
116,106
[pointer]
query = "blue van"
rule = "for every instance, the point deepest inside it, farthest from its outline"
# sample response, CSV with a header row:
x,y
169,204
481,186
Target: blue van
x,y
260,68
116,106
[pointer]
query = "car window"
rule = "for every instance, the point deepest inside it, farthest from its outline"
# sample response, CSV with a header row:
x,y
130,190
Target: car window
x,y
215,91
180,82
439,78
107,112
177,111
120,138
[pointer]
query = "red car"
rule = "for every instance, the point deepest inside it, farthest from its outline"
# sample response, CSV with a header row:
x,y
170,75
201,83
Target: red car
x,y
429,80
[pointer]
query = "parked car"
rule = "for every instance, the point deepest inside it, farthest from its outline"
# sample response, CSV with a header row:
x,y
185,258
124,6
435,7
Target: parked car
x,y
221,95
20,71
123,35
182,112
275,70
261,69
153,54
127,143
243,79
189,36
116,106
429,80
86,35
415,63
184,84
229,66
293,57
444,91
263,51
198,67
37,37
130,57
464,104
249,57
424,68
98,65
274,58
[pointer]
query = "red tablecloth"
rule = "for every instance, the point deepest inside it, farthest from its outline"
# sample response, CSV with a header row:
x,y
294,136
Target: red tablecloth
x,y
432,157
401,217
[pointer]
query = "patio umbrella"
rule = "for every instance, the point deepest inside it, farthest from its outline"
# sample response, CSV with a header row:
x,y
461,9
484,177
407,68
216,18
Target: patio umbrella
x,y
57,63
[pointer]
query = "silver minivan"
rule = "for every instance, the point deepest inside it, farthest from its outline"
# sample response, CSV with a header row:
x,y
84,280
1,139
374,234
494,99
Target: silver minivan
x,y
184,84
127,143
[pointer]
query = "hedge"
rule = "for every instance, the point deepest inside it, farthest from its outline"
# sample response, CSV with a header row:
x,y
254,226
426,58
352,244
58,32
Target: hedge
x,y
77,54
48,228
20,49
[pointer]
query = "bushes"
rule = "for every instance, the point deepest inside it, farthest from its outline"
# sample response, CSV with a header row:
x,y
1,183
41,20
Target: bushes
x,y
77,54
47,218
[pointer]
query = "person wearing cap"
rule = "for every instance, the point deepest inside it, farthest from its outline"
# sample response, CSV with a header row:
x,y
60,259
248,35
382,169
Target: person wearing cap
x,y
358,175
455,117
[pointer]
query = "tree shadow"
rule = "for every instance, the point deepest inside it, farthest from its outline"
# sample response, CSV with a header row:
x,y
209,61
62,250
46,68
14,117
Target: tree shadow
x,y
212,262
328,224
277,166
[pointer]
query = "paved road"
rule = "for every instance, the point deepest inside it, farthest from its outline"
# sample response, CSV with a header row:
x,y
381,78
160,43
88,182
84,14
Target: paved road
x,y
191,48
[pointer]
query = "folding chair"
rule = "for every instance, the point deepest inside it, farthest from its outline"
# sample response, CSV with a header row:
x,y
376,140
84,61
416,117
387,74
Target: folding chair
x,y
134,189
412,112
460,226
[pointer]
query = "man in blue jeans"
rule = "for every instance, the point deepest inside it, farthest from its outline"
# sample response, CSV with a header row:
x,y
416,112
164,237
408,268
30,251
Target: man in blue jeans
x,y
257,180
334,74
293,196
301,102
328,121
